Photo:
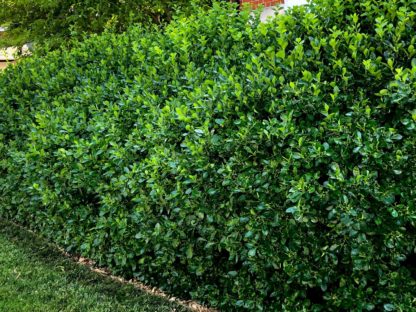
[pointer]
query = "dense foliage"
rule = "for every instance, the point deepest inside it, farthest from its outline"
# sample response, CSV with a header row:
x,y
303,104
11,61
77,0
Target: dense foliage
x,y
53,22
246,165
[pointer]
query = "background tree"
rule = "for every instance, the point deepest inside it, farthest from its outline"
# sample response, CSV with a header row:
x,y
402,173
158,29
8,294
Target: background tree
x,y
53,22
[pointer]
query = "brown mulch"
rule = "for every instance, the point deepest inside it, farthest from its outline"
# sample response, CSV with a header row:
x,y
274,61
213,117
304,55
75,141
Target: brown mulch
x,y
3,65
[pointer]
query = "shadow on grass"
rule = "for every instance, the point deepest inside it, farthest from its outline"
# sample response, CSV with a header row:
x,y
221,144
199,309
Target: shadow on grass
x,y
24,251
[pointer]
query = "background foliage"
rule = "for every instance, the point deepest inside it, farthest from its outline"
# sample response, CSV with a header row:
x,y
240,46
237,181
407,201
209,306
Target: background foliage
x,y
246,165
53,22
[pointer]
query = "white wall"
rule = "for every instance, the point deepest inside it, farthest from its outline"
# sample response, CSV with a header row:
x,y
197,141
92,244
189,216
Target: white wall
x,y
290,3
270,12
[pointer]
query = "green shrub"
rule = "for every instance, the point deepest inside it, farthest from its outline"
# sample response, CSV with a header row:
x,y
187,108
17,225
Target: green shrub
x,y
246,165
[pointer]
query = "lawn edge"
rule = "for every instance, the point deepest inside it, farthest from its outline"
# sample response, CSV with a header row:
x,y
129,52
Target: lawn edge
x,y
91,265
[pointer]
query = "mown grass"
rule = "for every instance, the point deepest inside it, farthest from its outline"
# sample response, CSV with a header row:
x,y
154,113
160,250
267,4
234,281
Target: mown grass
x,y
35,276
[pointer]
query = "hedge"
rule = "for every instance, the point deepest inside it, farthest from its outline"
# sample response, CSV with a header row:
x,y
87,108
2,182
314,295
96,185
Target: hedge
x,y
248,166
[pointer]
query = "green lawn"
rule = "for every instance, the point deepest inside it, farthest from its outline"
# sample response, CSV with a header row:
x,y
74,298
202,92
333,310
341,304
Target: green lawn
x,y
34,276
